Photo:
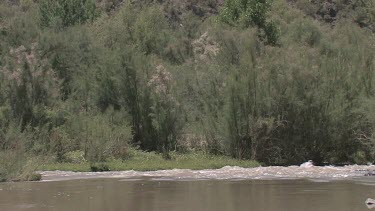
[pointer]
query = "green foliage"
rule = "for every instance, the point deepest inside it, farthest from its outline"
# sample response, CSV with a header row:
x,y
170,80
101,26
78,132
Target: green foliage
x,y
71,55
248,13
151,161
99,136
99,167
17,27
15,166
245,12
136,98
165,76
165,112
74,157
30,85
272,32
64,13
291,104
365,13
151,31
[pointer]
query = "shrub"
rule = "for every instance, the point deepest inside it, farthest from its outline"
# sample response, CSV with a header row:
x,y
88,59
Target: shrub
x,y
248,13
31,85
99,136
15,166
99,167
66,13
165,112
74,157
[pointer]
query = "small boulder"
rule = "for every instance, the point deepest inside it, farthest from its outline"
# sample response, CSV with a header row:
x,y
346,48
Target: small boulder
x,y
307,164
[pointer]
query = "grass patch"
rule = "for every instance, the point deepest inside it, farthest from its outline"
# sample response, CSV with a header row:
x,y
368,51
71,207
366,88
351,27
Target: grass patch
x,y
150,161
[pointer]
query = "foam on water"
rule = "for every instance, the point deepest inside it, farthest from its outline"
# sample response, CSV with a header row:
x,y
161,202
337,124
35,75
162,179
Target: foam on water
x,y
326,173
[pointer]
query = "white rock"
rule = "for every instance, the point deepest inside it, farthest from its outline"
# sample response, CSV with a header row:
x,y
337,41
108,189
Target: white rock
x,y
307,164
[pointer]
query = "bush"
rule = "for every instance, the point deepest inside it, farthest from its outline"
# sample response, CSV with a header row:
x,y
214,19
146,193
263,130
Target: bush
x,y
15,166
31,85
99,167
165,112
248,13
64,13
99,136
74,157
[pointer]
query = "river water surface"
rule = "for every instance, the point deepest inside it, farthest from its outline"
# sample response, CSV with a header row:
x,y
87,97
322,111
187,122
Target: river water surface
x,y
226,189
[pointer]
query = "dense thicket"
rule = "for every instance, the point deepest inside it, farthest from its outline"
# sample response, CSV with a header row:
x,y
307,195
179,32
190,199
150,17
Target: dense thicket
x,y
254,79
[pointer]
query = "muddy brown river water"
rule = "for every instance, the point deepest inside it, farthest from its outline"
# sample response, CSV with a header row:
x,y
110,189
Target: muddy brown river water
x,y
230,188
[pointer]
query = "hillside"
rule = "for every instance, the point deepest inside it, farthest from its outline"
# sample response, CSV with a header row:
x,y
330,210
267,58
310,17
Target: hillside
x,y
280,82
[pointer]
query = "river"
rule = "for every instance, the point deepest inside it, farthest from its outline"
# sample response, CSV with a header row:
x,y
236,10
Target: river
x,y
226,189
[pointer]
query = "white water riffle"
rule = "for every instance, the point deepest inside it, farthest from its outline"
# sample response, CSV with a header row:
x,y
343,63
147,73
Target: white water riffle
x,y
225,173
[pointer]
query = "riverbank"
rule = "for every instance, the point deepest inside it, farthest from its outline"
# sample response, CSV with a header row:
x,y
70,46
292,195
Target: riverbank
x,y
21,167
150,161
